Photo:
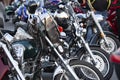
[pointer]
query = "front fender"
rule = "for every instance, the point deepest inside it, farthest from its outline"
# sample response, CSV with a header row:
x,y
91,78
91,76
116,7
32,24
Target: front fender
x,y
59,69
94,45
107,32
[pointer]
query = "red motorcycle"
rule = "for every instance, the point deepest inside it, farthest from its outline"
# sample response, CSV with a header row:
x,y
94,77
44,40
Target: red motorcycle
x,y
112,16
115,58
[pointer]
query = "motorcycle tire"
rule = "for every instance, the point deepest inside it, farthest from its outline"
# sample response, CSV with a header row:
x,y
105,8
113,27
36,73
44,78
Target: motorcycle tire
x,y
112,40
102,60
117,70
75,64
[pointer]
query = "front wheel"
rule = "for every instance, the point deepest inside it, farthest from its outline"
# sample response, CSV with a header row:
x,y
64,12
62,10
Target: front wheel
x,y
84,70
102,60
113,43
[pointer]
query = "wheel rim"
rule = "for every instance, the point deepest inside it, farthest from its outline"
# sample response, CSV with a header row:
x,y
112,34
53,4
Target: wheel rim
x,y
89,73
112,46
102,62
86,71
64,77
99,63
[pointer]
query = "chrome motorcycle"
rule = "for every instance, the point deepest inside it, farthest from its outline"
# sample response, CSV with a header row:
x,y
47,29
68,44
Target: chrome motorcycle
x,y
99,31
25,51
75,37
66,68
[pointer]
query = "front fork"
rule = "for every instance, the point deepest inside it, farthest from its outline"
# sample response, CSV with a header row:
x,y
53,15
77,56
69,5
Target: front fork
x,y
67,66
100,28
88,49
78,34
14,63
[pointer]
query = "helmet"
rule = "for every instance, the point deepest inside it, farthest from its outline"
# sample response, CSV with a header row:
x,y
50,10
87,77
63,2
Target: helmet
x,y
62,19
99,5
32,6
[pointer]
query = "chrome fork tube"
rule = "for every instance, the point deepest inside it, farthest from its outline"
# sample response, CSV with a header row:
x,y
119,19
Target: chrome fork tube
x,y
14,63
88,48
62,59
78,34
99,27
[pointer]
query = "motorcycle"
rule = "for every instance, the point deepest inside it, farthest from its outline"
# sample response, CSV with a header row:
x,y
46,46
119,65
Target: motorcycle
x,y
77,43
99,33
25,53
61,72
96,35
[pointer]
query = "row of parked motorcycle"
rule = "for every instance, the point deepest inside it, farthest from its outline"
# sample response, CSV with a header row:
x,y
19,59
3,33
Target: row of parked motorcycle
x,y
58,37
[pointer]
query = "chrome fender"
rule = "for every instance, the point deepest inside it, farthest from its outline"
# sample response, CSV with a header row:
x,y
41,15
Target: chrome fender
x,y
59,69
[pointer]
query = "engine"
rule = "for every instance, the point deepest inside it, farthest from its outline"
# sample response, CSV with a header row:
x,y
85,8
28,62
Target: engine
x,y
25,52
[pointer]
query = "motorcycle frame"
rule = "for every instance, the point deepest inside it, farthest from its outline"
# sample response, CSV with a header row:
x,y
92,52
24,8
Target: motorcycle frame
x,y
65,63
99,27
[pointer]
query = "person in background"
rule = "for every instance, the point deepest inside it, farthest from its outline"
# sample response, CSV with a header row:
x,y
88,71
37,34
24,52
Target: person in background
x,y
101,7
98,6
